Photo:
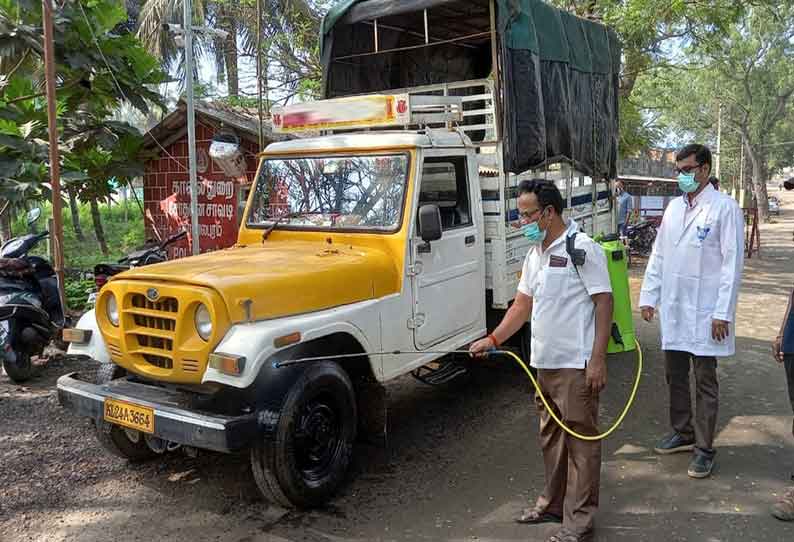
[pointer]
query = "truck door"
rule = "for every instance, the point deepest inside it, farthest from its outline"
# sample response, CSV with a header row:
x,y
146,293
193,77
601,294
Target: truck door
x,y
448,276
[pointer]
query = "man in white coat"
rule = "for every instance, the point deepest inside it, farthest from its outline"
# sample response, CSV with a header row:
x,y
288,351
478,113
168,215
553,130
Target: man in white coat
x,y
693,277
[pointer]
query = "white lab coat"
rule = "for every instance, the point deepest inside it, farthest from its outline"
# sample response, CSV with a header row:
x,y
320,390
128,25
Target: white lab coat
x,y
694,272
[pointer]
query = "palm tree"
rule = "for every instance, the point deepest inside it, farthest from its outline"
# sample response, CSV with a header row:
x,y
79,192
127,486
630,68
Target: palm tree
x,y
284,18
154,14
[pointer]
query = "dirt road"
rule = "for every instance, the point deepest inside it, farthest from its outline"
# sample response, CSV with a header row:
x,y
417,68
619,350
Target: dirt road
x,y
461,459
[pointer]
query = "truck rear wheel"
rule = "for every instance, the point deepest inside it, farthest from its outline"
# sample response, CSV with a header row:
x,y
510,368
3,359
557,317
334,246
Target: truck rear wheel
x,y
124,443
306,459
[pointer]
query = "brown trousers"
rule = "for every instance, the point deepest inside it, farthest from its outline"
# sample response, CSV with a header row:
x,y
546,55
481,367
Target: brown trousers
x,y
573,466
707,398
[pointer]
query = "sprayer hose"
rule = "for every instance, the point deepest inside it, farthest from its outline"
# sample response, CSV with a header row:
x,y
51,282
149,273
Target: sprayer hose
x,y
556,418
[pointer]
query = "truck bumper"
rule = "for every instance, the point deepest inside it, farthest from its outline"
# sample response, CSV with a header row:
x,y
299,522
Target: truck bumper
x,y
173,421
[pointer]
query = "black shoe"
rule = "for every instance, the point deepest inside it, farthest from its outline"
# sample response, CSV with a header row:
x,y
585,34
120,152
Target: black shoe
x,y
674,443
701,466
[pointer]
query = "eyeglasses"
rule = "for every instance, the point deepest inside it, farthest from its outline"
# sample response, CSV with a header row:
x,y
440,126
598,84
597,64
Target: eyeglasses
x,y
687,169
526,216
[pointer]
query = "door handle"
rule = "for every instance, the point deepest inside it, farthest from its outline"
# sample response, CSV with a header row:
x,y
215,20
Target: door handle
x,y
470,239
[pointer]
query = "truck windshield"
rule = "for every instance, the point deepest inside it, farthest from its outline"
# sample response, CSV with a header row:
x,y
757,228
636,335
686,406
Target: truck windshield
x,y
331,192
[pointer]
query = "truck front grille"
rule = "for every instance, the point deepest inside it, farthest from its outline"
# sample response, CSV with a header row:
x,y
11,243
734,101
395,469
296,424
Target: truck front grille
x,y
154,329
159,361
156,336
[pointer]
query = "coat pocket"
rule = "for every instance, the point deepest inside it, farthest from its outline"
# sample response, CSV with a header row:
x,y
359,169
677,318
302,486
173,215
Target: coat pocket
x,y
704,321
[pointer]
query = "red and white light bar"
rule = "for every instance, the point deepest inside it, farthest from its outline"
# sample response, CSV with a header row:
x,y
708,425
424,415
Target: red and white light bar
x,y
359,112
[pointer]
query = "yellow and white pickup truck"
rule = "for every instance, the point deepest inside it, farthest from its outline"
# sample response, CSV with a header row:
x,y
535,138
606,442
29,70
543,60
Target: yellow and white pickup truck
x,y
364,253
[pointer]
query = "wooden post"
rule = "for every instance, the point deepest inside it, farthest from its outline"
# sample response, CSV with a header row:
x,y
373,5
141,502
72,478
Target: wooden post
x,y
56,233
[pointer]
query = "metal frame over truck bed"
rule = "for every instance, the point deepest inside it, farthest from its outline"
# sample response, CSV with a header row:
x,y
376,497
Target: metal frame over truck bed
x,y
521,40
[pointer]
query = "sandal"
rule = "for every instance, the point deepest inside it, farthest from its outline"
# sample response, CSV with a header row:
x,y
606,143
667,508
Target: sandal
x,y
564,535
535,515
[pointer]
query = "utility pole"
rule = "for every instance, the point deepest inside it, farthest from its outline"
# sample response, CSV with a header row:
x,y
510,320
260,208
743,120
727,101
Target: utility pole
x,y
259,72
191,125
56,235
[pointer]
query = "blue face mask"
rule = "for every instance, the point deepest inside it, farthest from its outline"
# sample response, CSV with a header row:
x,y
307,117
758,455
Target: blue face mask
x,y
533,232
687,182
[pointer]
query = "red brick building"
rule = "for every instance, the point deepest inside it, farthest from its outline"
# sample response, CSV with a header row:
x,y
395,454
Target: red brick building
x,y
222,193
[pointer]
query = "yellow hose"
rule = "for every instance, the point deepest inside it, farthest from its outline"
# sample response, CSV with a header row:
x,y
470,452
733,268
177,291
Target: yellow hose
x,y
554,416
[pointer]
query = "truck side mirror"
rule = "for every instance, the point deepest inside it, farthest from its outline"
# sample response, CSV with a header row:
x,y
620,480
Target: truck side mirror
x,y
429,223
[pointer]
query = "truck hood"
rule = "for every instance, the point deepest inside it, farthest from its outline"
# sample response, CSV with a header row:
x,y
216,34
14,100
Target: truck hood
x,y
281,278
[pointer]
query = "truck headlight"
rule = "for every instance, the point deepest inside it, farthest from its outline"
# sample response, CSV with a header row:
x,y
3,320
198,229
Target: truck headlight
x,y
203,320
112,310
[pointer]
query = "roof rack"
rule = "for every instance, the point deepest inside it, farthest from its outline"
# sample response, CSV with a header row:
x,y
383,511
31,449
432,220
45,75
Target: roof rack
x,y
369,111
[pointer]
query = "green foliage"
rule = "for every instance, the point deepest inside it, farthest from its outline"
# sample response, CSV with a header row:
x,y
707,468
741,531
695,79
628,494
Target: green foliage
x,y
652,33
98,68
122,237
76,292
745,70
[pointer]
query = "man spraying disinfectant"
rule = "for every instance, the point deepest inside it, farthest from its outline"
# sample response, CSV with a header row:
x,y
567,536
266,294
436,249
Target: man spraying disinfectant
x,y
571,309
693,276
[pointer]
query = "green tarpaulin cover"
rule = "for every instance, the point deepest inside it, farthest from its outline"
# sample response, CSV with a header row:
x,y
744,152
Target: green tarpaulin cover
x,y
559,75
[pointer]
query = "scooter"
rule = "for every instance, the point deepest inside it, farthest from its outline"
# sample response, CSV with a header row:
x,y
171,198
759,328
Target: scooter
x,y
31,314
641,237
149,254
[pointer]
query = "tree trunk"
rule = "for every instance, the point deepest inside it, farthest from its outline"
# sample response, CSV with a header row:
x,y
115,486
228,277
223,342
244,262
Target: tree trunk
x,y
758,181
97,220
74,208
229,24
5,224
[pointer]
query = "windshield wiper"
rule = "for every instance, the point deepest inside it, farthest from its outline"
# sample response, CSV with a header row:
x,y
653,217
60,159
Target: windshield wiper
x,y
278,221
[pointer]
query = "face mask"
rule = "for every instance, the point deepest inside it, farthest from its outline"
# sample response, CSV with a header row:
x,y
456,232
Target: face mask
x,y
533,232
687,182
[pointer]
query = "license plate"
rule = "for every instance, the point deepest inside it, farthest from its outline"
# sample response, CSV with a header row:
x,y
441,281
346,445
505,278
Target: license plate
x,y
129,415
77,336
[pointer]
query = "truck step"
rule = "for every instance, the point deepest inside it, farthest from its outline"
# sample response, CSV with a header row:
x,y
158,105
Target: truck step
x,y
437,373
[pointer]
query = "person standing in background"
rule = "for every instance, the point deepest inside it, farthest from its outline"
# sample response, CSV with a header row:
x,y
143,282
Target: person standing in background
x,y
625,205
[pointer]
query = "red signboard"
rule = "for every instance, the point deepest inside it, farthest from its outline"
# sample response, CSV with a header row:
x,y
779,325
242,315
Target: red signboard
x,y
217,213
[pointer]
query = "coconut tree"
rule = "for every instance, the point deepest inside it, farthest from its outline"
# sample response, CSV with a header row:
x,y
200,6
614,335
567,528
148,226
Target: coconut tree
x,y
285,19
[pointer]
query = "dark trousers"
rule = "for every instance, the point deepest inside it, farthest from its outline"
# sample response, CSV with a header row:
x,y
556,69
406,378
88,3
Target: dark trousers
x,y
573,466
788,362
707,392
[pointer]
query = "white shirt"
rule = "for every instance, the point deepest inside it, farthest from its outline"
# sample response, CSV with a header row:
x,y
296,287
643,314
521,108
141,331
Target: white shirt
x,y
694,272
563,313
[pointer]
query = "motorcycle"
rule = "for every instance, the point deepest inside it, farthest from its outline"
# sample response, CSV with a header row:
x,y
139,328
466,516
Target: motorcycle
x,y
640,237
151,253
31,314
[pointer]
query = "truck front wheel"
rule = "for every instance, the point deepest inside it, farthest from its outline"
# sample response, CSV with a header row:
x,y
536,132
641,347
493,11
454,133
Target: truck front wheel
x,y
124,443
306,458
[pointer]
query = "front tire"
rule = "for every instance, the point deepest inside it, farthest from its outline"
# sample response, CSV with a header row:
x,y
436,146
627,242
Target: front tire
x,y
306,459
19,370
121,443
